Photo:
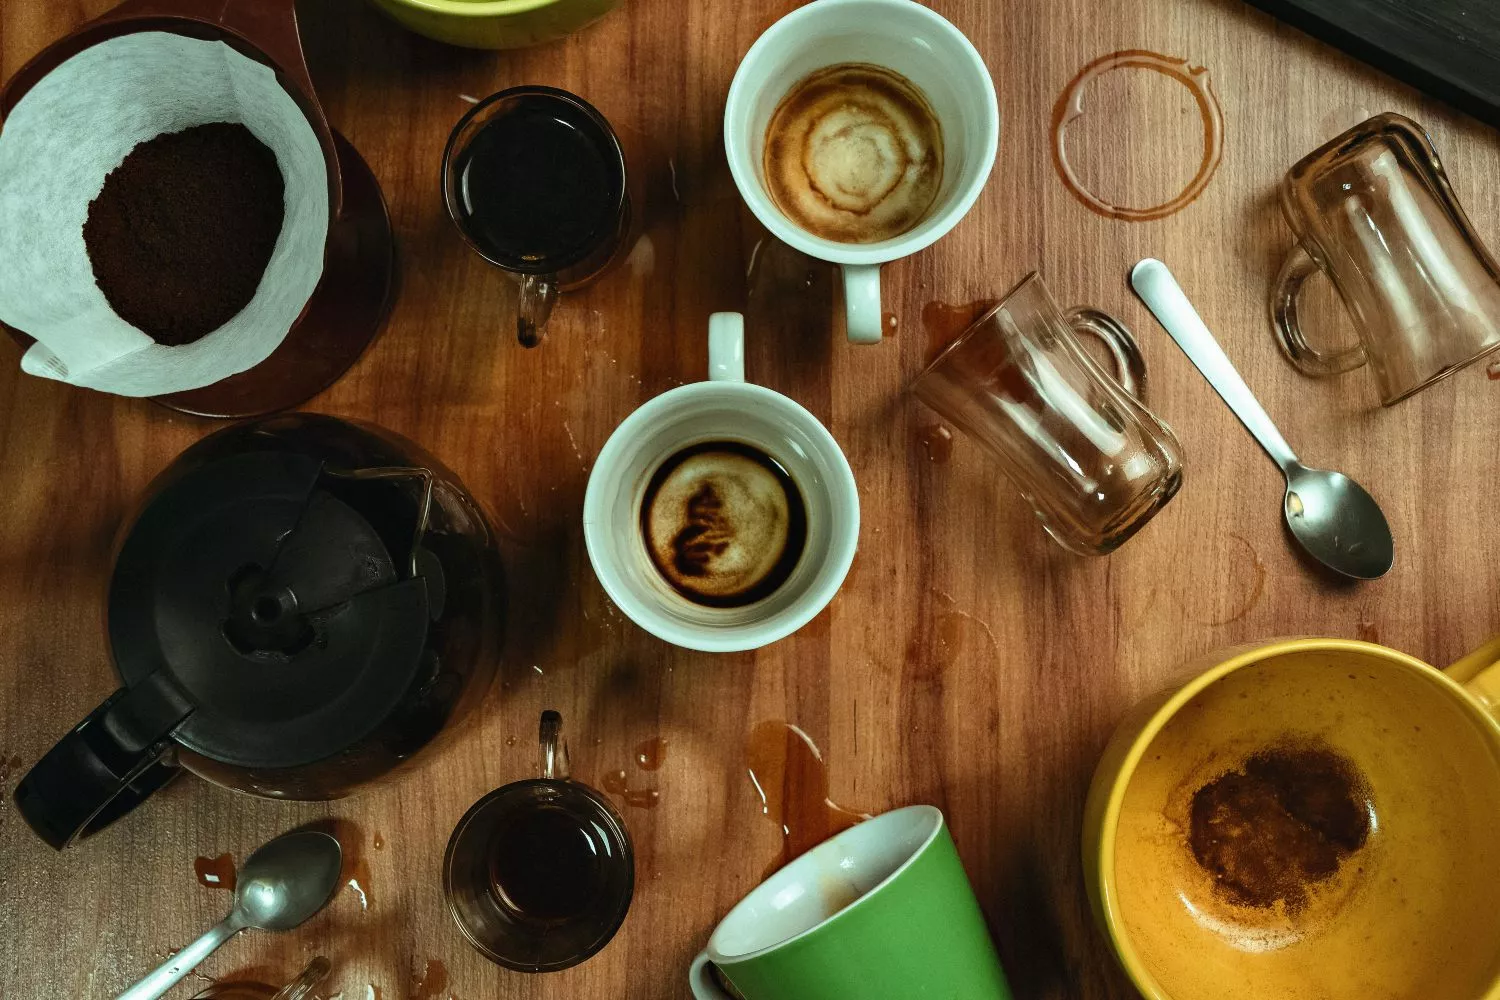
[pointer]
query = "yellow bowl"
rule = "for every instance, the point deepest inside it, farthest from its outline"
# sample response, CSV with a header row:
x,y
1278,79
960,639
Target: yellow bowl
x,y
495,24
1407,909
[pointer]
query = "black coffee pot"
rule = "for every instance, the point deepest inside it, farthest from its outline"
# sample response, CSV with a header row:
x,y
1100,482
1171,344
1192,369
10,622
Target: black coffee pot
x,y
299,606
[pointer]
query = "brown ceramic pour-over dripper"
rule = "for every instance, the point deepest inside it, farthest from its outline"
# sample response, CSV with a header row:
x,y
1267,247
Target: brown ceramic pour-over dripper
x,y
353,296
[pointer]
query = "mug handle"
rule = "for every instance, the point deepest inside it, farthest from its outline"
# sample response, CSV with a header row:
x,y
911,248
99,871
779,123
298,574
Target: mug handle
x,y
1297,268
702,981
862,302
538,296
553,763
1479,673
726,347
1130,366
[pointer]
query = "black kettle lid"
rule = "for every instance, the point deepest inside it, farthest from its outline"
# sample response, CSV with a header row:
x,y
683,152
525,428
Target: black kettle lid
x,y
267,598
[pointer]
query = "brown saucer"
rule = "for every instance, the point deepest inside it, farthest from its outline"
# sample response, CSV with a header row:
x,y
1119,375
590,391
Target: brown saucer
x,y
340,320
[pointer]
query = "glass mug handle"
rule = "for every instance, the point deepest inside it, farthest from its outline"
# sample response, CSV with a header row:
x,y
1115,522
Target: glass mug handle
x,y
1130,366
1297,268
538,296
554,749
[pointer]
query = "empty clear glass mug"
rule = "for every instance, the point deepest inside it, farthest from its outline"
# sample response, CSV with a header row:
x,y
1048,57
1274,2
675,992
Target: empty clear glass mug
x,y
1373,210
1092,460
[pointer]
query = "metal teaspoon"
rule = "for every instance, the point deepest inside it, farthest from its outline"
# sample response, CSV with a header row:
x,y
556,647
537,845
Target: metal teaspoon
x,y
281,885
1333,517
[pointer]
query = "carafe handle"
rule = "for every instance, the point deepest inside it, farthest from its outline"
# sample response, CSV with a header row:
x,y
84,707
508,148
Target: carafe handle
x,y
106,766
1297,268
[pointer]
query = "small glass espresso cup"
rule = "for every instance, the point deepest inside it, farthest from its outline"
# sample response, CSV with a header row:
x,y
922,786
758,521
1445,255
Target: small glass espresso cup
x,y
539,874
1373,210
300,988
1094,463
534,178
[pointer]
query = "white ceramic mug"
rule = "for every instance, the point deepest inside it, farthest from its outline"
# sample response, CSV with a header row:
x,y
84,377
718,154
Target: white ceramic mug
x,y
900,35
725,408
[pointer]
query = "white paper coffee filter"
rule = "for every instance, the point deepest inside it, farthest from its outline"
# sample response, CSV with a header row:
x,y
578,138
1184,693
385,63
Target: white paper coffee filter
x,y
74,127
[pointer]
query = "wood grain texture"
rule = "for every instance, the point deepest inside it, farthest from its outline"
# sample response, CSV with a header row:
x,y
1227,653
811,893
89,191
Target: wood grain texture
x,y
968,662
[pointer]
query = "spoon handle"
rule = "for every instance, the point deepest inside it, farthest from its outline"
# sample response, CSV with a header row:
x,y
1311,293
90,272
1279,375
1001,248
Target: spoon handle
x,y
176,968
1165,298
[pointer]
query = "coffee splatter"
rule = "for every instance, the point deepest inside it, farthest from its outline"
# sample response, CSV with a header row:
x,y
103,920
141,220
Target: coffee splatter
x,y
431,983
1285,820
649,754
618,783
937,441
215,873
944,322
791,780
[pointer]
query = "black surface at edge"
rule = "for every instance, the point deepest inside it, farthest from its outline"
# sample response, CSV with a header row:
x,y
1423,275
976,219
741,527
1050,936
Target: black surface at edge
x,y
1400,64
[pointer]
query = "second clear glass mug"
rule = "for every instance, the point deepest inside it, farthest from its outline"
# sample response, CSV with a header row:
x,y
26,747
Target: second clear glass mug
x,y
539,874
1373,210
1079,444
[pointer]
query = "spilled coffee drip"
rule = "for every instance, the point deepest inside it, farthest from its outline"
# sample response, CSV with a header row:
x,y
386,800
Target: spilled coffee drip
x,y
1285,820
724,523
854,153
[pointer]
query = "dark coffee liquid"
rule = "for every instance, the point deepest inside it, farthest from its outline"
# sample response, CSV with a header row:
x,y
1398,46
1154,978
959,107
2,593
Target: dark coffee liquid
x,y
539,186
548,865
724,523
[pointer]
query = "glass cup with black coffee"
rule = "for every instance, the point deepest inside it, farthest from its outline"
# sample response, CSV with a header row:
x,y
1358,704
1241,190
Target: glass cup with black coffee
x,y
539,874
534,178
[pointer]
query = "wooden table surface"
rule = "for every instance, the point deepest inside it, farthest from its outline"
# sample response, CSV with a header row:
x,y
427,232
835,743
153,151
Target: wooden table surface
x,y
968,661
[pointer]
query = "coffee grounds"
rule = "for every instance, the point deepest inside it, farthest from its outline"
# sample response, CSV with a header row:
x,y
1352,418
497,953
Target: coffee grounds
x,y
1283,822
183,229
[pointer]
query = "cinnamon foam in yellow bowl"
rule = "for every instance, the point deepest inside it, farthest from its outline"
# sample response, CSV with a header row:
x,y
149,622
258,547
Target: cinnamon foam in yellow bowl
x,y
1309,819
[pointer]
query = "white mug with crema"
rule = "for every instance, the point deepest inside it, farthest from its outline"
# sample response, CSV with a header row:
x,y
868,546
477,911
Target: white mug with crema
x,y
860,132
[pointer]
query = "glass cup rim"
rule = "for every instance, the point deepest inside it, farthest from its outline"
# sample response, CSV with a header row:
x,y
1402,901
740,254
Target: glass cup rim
x,y
577,790
485,107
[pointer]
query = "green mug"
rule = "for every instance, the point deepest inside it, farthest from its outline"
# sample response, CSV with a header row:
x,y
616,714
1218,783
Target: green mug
x,y
882,911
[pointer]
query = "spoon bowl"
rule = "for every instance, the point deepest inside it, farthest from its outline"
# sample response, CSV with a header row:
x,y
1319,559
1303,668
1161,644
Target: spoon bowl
x,y
288,880
1337,522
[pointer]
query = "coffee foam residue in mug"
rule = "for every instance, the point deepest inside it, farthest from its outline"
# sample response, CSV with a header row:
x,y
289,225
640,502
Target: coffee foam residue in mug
x,y
854,153
724,523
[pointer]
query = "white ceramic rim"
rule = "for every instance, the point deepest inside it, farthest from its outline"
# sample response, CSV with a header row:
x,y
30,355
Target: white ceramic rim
x,y
935,815
841,547
782,228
